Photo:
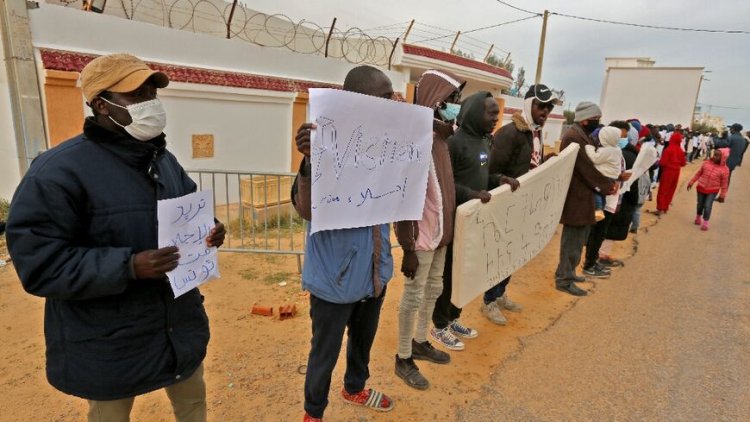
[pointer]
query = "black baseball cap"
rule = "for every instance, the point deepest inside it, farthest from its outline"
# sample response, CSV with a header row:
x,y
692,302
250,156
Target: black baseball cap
x,y
541,93
736,127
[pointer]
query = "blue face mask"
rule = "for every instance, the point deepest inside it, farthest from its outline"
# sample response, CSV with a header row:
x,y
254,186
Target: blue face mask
x,y
622,143
450,112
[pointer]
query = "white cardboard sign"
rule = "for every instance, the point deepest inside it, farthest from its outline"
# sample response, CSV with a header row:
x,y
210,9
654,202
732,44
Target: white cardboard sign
x,y
186,222
495,239
370,158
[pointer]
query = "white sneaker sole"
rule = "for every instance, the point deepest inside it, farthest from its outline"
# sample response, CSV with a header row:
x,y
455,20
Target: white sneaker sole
x,y
447,346
456,333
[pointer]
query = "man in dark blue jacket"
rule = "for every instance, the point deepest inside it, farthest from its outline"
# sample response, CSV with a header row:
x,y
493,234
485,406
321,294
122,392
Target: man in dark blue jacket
x,y
82,232
736,144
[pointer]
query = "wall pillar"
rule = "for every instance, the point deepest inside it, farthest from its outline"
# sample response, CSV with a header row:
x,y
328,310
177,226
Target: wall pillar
x,y
500,103
64,102
299,116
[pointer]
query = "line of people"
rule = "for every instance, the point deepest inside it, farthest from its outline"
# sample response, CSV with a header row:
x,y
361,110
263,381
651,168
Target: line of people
x,y
679,147
468,160
82,232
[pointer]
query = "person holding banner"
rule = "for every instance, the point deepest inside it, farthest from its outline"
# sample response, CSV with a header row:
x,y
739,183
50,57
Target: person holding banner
x,y
82,232
516,149
346,272
424,242
578,212
469,152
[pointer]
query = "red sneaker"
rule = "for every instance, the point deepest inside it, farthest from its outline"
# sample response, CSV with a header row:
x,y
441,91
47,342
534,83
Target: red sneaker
x,y
369,398
309,418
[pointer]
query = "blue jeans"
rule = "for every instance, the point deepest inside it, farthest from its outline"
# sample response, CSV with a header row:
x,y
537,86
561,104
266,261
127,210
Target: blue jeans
x,y
496,291
636,222
599,201
329,320
705,203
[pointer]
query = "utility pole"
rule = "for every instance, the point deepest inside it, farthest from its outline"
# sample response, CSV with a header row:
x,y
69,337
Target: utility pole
x,y
23,84
541,49
455,40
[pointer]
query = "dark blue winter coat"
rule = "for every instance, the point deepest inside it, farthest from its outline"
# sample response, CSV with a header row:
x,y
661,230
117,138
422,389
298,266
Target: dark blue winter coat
x,y
81,212
737,145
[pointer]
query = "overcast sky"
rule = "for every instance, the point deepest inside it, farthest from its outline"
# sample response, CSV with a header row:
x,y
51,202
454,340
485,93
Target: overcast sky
x,y
575,50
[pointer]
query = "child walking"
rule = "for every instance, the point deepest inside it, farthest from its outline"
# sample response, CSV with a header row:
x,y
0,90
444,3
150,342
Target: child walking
x,y
713,180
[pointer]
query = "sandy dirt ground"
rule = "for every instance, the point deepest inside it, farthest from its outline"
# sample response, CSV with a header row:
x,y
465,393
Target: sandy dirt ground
x,y
667,338
254,365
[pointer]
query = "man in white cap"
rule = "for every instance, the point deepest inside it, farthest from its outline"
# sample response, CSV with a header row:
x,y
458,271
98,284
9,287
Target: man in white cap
x,y
516,149
82,232
578,211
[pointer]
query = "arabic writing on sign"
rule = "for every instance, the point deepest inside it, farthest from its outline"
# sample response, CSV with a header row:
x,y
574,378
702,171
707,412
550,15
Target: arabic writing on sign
x,y
187,212
370,159
494,240
186,222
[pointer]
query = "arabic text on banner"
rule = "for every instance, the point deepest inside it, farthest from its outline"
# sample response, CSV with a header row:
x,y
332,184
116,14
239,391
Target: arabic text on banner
x,y
493,240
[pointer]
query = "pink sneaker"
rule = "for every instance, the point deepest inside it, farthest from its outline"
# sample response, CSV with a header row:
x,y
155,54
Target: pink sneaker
x,y
698,220
704,227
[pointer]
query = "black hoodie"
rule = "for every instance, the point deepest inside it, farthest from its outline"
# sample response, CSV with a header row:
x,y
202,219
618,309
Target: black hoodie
x,y
470,150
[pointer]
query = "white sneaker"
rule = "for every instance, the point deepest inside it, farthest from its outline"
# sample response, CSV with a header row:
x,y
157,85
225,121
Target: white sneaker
x,y
458,329
504,302
492,312
446,338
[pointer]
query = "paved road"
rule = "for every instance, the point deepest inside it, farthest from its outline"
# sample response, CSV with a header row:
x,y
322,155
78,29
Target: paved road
x,y
667,338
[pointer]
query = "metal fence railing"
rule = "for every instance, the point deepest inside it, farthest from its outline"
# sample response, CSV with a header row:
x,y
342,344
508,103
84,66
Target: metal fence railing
x,y
256,209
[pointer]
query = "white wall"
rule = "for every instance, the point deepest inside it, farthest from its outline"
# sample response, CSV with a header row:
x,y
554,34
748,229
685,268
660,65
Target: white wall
x,y
62,28
10,174
251,128
657,95
628,62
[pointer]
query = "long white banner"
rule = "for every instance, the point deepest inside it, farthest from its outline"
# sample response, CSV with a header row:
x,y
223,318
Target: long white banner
x,y
495,239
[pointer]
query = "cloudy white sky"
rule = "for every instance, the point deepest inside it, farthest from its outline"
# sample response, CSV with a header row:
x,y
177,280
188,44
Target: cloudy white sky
x,y
575,50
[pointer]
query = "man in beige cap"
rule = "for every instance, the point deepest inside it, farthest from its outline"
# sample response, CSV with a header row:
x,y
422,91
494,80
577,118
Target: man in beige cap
x,y
82,232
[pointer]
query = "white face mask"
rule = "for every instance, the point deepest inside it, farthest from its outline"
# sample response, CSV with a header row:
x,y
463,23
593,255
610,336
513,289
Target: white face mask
x,y
148,119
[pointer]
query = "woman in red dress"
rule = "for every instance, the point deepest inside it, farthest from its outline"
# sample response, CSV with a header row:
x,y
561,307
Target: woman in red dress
x,y
671,162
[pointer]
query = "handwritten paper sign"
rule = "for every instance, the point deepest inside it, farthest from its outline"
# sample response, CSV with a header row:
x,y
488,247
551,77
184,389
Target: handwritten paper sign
x,y
185,222
370,158
495,239
646,158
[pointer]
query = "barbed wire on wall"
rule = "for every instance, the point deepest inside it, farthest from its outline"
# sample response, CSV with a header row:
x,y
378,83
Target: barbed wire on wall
x,y
224,19
374,46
